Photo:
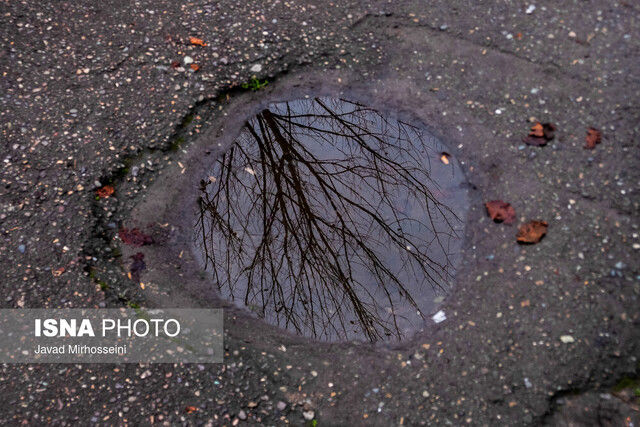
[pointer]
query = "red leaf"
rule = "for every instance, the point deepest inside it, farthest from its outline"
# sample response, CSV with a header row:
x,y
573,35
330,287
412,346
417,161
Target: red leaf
x,y
134,237
190,409
532,232
500,211
594,137
105,191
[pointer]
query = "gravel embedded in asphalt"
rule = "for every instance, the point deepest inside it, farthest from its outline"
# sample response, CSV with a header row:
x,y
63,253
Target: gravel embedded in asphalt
x,y
92,92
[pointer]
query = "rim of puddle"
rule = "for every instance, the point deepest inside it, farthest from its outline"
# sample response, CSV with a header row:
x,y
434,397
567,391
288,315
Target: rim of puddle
x,y
171,197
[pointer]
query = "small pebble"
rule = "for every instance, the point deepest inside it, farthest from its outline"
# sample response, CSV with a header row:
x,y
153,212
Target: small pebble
x,y
567,339
439,317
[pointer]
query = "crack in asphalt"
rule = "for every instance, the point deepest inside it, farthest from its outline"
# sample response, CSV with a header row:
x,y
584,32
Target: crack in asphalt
x,y
393,21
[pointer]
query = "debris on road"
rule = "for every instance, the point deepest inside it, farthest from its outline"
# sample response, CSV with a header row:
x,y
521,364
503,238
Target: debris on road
x,y
532,232
500,211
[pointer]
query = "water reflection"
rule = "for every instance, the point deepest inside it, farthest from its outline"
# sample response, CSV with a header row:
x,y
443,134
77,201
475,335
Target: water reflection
x,y
328,219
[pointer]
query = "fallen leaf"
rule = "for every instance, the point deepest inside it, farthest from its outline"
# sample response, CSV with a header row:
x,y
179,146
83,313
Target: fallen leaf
x,y
500,211
134,237
532,232
540,134
105,191
194,67
535,141
594,137
136,267
175,64
537,130
58,272
190,409
525,303
196,41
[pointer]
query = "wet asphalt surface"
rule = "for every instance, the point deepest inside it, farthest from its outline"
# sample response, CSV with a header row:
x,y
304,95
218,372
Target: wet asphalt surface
x,y
93,94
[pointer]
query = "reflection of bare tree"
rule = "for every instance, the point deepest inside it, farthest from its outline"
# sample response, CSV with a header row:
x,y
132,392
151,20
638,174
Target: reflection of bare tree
x,y
324,219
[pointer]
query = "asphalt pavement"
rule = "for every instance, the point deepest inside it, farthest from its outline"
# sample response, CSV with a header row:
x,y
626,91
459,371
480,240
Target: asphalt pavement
x,y
118,93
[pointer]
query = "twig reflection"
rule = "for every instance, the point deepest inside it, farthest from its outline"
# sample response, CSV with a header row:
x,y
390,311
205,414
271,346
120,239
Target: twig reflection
x,y
323,216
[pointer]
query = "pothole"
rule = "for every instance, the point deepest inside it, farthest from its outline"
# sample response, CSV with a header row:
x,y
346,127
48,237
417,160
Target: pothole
x,y
334,221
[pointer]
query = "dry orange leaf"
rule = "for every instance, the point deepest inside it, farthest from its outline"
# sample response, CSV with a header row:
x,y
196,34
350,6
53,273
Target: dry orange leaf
x,y
58,272
105,191
500,211
537,130
190,409
532,232
196,41
594,137
540,134
194,67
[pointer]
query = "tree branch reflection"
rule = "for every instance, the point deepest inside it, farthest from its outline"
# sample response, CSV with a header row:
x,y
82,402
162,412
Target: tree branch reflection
x,y
323,216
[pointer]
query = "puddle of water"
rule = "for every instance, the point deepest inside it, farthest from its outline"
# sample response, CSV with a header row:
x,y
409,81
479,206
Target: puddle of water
x,y
331,220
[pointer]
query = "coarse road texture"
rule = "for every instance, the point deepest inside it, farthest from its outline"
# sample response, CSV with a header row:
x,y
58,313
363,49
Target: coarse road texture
x,y
93,92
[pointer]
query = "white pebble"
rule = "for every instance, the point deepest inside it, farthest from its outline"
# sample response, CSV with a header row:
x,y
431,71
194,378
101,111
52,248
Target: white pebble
x,y
567,339
439,317
256,68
